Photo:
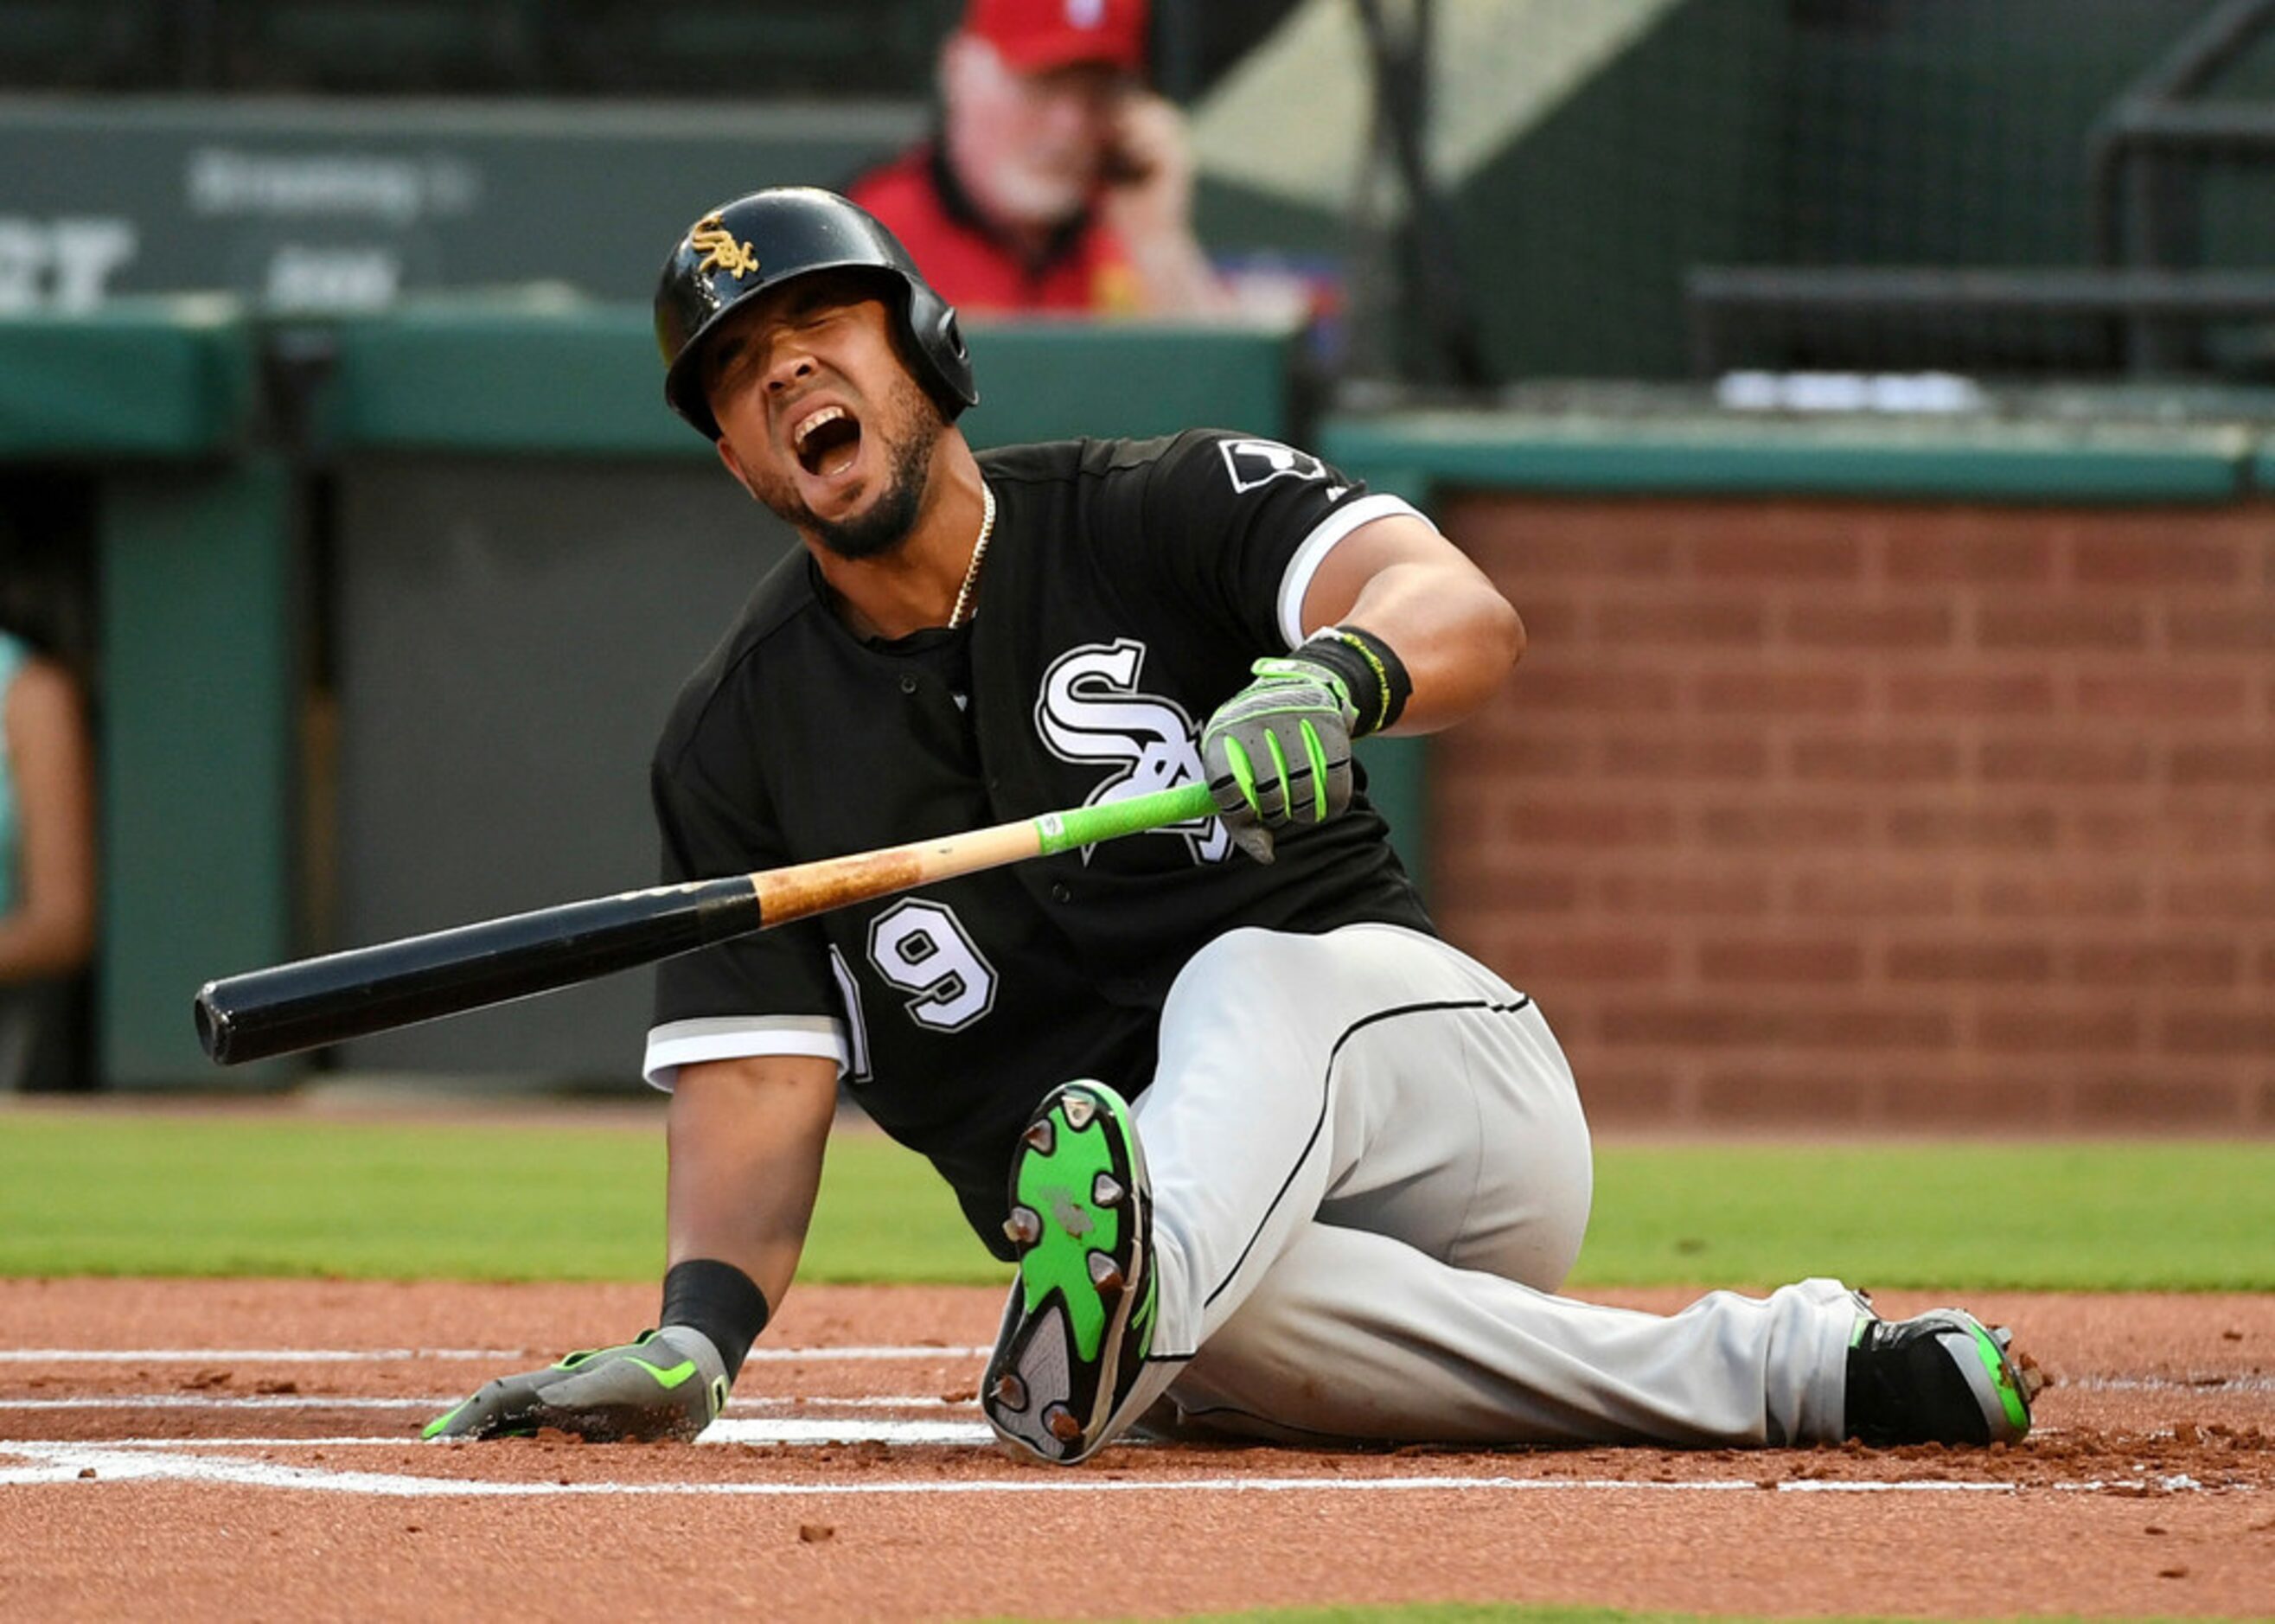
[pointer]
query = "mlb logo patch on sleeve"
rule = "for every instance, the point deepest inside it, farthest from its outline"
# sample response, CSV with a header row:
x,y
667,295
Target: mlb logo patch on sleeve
x,y
1252,463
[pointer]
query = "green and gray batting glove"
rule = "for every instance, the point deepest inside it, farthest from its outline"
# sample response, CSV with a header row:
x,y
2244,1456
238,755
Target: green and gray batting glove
x,y
1278,752
668,1384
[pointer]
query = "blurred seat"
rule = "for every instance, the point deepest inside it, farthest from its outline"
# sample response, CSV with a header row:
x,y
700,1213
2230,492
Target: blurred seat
x,y
665,50
675,48
382,47
85,45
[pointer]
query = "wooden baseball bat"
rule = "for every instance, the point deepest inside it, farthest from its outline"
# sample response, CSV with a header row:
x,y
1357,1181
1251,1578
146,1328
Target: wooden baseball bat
x,y
353,995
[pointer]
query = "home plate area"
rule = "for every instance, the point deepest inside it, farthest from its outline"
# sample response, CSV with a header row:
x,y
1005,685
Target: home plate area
x,y
2155,1447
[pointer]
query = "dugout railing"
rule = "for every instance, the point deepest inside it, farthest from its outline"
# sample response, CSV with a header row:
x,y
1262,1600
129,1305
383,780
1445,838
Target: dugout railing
x,y
2134,308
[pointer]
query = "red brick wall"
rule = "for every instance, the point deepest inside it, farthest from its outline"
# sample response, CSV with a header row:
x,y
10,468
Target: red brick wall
x,y
1879,816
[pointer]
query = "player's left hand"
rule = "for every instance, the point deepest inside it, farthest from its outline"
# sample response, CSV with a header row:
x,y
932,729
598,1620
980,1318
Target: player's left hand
x,y
1278,752
667,1384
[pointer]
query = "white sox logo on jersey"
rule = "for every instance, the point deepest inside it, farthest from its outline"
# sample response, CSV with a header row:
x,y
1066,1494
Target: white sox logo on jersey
x,y
1089,710
1253,463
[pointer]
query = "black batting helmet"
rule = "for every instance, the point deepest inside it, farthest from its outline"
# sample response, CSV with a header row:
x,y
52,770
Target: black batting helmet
x,y
741,249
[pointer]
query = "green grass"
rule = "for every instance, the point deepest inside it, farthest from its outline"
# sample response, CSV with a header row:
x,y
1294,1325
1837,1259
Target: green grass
x,y
105,1192
2088,1217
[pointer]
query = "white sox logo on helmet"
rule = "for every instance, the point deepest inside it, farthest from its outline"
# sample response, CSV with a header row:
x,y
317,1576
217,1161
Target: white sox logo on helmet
x,y
720,251
1089,709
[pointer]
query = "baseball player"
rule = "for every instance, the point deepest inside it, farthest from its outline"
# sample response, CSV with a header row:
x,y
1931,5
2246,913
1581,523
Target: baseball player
x,y
1281,1163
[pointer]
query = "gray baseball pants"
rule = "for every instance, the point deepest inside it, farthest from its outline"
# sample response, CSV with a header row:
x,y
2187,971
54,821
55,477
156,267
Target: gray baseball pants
x,y
1371,1171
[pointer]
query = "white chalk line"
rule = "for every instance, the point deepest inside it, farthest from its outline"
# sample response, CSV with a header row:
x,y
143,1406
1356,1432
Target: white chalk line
x,y
782,1430
789,1429
339,1355
300,1440
2237,1382
305,1440
70,1463
310,1400
198,1401
185,1459
248,1355
2169,1384
738,1427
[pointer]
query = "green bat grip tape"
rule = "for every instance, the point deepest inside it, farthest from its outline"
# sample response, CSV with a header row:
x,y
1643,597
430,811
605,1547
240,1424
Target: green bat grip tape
x,y
1086,826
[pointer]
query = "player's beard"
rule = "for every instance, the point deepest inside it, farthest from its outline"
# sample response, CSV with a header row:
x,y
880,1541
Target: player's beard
x,y
884,523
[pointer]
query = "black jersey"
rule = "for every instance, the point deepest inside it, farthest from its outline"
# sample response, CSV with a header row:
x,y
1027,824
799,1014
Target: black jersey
x,y
1127,587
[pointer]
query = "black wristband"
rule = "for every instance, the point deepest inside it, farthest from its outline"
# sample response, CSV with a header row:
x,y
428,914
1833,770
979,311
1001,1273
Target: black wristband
x,y
1373,674
719,1300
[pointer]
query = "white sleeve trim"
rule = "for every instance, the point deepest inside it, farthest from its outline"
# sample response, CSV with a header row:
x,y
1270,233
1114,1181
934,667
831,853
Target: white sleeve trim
x,y
684,1043
1321,542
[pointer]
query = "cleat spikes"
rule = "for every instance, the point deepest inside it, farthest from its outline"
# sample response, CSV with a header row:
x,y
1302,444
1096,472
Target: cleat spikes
x,y
1069,1370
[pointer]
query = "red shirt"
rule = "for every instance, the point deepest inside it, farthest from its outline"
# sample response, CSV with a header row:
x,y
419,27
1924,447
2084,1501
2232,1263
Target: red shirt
x,y
1084,270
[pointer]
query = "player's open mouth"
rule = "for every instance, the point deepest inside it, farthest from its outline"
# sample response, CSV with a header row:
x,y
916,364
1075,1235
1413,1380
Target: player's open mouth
x,y
827,440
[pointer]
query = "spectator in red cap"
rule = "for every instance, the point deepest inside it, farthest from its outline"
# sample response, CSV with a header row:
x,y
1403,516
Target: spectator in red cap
x,y
1055,180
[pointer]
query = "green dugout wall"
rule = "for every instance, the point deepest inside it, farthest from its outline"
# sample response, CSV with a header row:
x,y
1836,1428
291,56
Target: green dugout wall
x,y
195,556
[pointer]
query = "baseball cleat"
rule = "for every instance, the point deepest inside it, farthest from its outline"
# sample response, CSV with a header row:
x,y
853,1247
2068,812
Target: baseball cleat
x,y
1939,1378
1080,1320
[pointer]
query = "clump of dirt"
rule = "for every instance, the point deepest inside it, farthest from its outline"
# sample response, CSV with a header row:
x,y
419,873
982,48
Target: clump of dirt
x,y
2035,1377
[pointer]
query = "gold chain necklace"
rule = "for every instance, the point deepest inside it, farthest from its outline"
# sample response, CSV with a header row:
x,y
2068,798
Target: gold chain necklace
x,y
962,612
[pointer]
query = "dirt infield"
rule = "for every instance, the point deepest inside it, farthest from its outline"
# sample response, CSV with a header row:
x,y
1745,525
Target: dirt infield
x,y
235,1449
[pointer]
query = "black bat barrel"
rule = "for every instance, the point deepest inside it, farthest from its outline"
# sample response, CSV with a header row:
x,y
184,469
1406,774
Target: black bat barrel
x,y
353,995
